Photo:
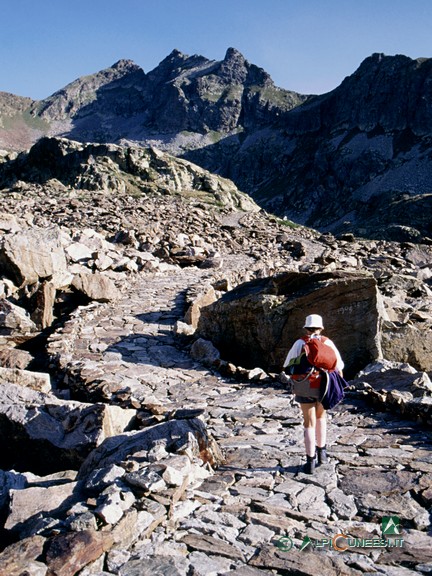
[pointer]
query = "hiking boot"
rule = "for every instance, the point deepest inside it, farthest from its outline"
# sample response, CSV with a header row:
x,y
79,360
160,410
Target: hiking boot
x,y
309,467
322,455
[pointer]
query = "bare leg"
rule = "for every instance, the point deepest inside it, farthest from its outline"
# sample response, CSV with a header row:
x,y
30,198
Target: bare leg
x,y
310,414
309,423
321,434
321,426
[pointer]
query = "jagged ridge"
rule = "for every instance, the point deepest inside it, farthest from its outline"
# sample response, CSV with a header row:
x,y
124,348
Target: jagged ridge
x,y
355,159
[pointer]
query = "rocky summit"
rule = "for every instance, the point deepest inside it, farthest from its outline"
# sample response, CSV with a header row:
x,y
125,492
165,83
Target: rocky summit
x,y
146,306
354,160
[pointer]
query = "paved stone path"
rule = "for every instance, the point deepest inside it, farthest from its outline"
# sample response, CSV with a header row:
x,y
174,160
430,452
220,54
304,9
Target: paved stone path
x,y
257,511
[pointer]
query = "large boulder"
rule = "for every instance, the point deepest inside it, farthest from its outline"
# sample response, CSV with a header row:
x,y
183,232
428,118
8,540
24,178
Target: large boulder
x,y
95,287
256,323
39,381
46,434
409,343
183,436
32,255
14,320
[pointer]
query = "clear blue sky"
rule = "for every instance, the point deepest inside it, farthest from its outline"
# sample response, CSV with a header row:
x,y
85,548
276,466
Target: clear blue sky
x,y
305,45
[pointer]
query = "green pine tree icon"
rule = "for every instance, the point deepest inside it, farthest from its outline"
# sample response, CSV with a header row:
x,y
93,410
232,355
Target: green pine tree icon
x,y
390,525
306,542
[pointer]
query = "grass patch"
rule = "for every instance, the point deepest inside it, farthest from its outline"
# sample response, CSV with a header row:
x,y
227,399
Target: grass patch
x,y
287,223
26,119
214,136
35,122
281,98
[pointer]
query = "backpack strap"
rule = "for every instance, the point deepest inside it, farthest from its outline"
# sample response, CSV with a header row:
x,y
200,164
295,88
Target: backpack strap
x,y
324,386
306,376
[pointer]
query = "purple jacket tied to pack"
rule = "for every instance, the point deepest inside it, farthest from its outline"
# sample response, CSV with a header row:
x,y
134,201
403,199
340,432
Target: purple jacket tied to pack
x,y
334,390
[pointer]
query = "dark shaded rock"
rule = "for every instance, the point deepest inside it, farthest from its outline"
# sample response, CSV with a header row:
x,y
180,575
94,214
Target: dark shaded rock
x,y
256,323
205,352
67,554
21,557
175,435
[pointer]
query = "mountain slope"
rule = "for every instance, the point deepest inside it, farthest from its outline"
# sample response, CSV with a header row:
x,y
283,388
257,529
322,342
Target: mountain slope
x,y
186,102
357,159
18,128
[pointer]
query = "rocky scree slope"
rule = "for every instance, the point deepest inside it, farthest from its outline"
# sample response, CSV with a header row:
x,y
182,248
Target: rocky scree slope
x,y
124,473
145,200
354,160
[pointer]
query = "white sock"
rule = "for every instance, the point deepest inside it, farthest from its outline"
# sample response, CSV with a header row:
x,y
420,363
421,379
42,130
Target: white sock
x,y
321,432
309,440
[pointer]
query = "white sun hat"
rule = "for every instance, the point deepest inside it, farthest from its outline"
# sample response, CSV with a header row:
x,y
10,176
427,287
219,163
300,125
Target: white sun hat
x,y
313,321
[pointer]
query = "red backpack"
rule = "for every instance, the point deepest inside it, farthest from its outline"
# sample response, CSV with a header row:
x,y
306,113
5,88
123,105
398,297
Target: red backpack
x,y
320,354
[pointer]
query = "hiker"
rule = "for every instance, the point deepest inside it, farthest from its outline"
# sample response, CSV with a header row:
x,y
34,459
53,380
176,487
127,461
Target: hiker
x,y
314,414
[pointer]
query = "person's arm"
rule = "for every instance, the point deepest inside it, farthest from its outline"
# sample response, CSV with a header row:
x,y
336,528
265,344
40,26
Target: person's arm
x,y
340,363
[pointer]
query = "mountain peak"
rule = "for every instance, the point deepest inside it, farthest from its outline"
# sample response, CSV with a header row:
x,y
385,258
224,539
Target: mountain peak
x,y
232,54
177,54
234,67
125,65
175,58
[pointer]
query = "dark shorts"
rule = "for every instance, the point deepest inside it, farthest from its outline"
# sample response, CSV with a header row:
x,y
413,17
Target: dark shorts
x,y
305,400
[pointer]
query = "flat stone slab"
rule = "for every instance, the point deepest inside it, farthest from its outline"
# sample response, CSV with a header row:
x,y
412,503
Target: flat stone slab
x,y
212,545
369,481
294,561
